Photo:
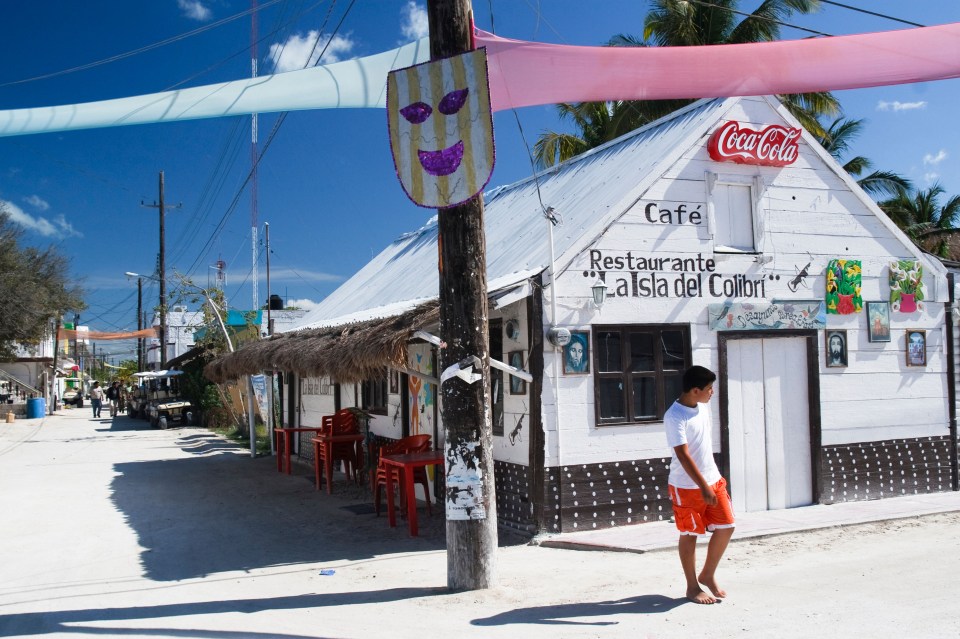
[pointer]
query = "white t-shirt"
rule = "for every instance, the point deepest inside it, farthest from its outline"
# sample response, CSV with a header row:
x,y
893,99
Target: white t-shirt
x,y
693,427
96,393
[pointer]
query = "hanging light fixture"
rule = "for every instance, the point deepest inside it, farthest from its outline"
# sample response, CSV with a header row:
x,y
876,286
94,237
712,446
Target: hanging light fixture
x,y
599,290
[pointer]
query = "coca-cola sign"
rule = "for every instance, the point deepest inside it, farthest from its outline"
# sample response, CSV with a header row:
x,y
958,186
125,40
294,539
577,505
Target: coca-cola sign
x,y
774,145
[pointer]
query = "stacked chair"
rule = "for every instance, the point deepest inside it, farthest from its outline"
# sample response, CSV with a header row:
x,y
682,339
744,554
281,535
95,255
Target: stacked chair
x,y
410,444
343,422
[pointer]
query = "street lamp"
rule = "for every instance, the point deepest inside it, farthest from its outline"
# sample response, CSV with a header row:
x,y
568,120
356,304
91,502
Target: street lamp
x,y
213,307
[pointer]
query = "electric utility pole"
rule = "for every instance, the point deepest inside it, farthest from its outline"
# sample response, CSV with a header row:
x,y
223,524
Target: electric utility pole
x,y
471,543
162,267
139,323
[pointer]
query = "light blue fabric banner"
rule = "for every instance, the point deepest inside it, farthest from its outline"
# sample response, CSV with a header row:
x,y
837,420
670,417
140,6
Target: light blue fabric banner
x,y
359,83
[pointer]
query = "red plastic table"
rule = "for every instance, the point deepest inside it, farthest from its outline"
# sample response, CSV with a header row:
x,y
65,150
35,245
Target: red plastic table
x,y
282,444
327,442
405,465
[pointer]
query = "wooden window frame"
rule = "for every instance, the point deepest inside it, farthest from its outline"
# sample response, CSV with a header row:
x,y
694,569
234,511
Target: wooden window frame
x,y
627,376
757,188
373,390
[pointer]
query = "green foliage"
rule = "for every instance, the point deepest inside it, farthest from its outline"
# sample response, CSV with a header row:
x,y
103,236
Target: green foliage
x,y
125,373
680,23
35,288
837,137
924,218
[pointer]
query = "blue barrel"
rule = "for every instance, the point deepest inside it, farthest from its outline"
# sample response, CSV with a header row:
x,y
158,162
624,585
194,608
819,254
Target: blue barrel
x,y
36,408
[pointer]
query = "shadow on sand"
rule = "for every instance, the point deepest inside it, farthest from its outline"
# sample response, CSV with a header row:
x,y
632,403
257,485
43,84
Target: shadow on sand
x,y
220,511
36,623
573,614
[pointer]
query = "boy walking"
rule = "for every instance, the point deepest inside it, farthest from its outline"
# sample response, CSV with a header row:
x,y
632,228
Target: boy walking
x,y
698,492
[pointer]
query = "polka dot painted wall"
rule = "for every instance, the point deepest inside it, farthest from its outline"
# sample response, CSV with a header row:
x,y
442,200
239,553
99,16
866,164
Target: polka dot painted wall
x,y
877,470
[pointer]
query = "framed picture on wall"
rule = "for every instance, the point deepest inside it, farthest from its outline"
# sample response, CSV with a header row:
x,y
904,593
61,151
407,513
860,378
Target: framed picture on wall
x,y
878,321
517,385
576,354
394,382
916,347
836,342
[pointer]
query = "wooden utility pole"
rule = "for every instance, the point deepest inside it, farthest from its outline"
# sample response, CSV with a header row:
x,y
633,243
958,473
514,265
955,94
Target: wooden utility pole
x,y
139,323
52,403
162,268
471,543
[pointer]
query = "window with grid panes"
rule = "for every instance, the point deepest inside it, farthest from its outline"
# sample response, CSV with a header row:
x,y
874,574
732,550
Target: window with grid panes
x,y
373,394
638,371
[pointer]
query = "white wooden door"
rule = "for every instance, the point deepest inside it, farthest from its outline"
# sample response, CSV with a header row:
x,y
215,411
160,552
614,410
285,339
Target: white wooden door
x,y
769,424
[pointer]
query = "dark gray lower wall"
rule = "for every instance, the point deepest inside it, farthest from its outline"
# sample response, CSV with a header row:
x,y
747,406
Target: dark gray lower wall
x,y
890,468
594,496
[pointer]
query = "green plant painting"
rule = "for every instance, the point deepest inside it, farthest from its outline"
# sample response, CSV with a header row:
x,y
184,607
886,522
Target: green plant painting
x,y
843,287
906,286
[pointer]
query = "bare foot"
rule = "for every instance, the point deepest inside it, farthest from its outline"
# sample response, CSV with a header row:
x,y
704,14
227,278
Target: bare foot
x,y
712,585
698,596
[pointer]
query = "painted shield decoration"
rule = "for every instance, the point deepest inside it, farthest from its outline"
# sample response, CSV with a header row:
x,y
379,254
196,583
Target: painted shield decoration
x,y
441,129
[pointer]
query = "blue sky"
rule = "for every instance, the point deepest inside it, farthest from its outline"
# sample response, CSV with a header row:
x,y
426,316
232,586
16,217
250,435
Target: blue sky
x,y
326,185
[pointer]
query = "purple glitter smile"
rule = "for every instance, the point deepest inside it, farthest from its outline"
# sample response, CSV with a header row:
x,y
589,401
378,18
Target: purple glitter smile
x,y
442,162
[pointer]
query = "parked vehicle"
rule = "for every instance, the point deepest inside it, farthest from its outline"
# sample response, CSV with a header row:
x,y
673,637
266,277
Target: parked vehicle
x,y
159,399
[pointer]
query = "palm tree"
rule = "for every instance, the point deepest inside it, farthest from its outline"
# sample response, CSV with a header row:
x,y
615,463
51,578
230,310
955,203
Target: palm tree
x,y
836,139
920,214
681,23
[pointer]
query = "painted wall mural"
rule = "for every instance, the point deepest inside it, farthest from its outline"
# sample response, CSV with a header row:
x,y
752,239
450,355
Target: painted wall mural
x,y
844,281
780,315
906,286
421,394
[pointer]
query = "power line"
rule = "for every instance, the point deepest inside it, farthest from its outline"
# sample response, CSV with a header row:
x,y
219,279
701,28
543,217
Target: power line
x,y
149,47
266,146
872,13
703,3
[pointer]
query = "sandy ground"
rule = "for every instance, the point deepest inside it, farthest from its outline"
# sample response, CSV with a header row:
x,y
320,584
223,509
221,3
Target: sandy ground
x,y
111,529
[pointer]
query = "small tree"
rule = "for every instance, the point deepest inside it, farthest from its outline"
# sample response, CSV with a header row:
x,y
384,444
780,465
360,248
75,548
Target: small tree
x,y
35,288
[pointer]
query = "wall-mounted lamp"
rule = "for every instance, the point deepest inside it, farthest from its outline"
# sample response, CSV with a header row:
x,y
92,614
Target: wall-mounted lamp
x,y
599,290
512,330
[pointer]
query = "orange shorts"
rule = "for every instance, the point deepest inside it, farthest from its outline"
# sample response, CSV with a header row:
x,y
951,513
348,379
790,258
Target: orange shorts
x,y
694,516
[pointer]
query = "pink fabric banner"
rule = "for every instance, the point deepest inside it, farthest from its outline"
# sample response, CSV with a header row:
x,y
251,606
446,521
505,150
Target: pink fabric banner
x,y
530,73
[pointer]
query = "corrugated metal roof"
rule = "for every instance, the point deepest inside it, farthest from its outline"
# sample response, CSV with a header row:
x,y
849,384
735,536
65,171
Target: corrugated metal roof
x,y
589,192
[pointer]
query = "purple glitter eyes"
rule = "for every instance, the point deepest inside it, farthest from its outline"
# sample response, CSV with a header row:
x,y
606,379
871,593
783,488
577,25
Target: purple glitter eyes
x,y
418,112
453,101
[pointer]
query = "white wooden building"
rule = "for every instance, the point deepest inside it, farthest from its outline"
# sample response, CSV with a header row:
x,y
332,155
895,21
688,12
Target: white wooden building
x,y
704,261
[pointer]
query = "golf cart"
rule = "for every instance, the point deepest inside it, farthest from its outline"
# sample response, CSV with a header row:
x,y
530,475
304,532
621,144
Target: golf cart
x,y
159,399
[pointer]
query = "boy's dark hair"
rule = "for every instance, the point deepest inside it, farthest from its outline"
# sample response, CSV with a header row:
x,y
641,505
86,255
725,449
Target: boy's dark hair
x,y
697,377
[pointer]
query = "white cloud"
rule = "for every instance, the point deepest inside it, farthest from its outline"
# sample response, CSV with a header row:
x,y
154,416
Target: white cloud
x,y
934,160
58,228
900,106
931,177
194,9
413,21
37,202
304,304
299,51
289,274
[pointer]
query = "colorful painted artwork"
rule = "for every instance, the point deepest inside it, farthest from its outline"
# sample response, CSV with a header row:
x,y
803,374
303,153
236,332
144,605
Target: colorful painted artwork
x,y
441,129
843,287
906,286
733,316
421,394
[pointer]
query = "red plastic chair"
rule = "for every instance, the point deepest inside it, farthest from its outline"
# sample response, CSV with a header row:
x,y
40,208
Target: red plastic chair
x,y
410,444
342,422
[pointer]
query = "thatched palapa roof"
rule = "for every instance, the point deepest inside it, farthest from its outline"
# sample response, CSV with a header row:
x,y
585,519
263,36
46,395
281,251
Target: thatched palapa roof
x,y
346,353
